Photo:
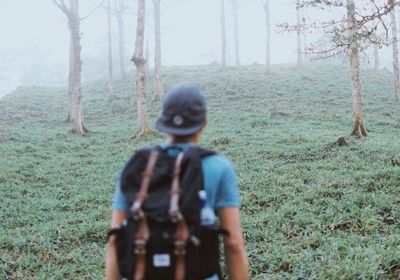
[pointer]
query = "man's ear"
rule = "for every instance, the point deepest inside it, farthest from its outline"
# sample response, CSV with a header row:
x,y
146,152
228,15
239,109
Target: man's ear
x,y
205,122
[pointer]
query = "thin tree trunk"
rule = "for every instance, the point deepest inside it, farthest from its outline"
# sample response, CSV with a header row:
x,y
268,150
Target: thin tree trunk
x,y
140,62
75,115
358,119
121,35
299,44
236,30
305,44
159,91
70,76
147,57
268,32
396,71
397,14
110,62
223,36
75,69
376,58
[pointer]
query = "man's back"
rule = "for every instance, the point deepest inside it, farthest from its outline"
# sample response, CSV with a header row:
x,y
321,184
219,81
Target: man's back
x,y
183,119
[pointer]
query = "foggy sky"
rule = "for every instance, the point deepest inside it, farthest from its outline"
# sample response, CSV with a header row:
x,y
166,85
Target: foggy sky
x,y
37,30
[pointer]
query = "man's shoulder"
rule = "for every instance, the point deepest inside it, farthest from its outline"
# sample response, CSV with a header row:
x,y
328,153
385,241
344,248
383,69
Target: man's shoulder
x,y
218,163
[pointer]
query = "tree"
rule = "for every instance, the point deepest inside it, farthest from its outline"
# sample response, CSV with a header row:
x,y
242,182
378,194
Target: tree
x,y
396,71
268,33
300,63
235,7
140,62
354,56
355,31
159,89
110,61
223,36
305,45
119,12
75,114
147,57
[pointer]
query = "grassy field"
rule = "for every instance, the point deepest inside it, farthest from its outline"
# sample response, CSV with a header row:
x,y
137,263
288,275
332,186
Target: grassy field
x,y
311,209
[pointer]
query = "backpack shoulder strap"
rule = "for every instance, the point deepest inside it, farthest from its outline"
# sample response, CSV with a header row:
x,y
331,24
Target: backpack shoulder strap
x,y
141,153
140,157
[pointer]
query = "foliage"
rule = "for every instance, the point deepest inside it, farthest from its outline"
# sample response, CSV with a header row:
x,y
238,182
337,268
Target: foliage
x,y
311,209
367,25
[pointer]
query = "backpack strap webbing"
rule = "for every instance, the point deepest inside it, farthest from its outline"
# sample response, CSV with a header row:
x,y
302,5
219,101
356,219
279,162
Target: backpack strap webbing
x,y
175,190
182,232
143,233
181,238
144,186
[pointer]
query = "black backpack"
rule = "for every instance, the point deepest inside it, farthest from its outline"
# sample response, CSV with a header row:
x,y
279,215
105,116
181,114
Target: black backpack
x,y
162,237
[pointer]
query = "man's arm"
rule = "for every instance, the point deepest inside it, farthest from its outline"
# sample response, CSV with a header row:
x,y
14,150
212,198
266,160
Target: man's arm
x,y
112,272
235,251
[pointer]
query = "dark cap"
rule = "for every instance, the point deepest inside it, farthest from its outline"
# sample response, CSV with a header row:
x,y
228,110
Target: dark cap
x,y
184,111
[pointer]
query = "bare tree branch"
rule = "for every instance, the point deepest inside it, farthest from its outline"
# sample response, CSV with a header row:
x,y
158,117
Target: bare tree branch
x,y
93,11
370,21
61,5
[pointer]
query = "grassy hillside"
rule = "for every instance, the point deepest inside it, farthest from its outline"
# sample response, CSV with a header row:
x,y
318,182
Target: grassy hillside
x,y
311,209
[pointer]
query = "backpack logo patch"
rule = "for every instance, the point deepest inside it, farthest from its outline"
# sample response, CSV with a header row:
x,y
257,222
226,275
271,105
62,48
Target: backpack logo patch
x,y
161,260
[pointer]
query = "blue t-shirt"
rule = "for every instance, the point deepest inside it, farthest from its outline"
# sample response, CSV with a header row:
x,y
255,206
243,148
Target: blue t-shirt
x,y
220,183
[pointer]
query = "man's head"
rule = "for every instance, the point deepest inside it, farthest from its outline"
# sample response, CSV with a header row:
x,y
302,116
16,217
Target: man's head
x,y
184,112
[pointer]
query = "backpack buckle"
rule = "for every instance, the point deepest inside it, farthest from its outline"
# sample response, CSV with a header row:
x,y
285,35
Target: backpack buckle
x,y
175,216
180,249
137,214
140,247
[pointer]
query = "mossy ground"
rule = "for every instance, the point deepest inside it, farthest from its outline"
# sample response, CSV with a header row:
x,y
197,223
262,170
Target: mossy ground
x,y
311,209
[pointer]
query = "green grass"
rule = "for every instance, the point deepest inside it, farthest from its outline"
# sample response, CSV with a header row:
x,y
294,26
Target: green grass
x,y
296,185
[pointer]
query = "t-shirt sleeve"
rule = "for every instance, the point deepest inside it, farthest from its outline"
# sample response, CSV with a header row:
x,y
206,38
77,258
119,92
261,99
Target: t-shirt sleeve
x,y
119,201
228,191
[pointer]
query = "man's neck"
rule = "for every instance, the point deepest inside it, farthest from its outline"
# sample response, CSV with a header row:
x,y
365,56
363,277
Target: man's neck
x,y
194,140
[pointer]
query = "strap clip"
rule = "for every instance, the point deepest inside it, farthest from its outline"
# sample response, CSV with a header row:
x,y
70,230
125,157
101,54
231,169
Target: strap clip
x,y
180,248
140,247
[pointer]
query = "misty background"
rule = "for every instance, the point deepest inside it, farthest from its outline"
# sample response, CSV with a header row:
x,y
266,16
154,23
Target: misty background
x,y
313,144
35,41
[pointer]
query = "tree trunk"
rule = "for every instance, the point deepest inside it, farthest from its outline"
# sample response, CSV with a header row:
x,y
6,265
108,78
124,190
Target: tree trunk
x,y
159,90
70,76
376,58
110,62
396,71
223,36
305,44
147,57
121,35
299,44
75,69
268,32
354,57
140,62
236,30
75,115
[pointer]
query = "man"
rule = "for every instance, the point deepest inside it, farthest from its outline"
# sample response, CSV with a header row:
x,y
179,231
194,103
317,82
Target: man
x,y
183,118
